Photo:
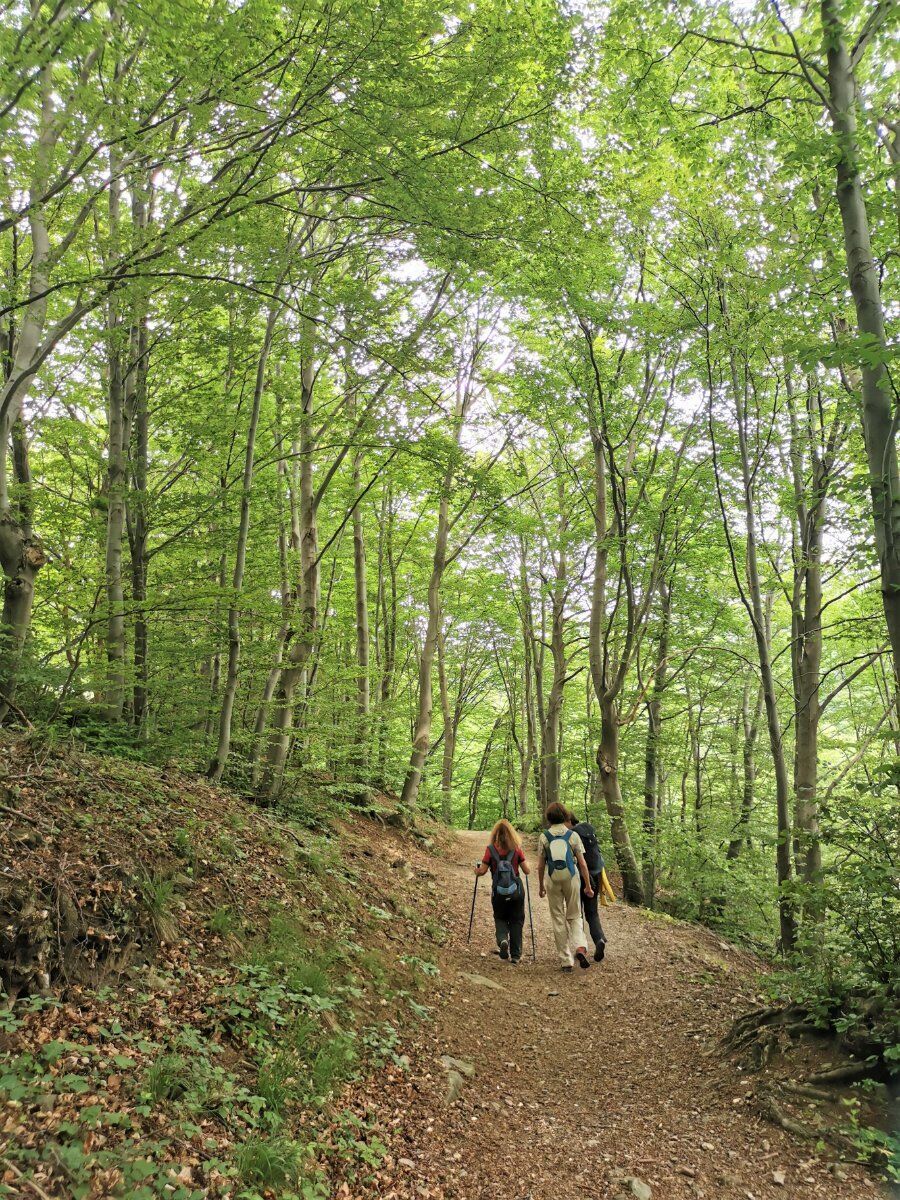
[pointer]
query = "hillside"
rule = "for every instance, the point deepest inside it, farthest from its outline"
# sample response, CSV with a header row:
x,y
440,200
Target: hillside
x,y
216,1000
197,980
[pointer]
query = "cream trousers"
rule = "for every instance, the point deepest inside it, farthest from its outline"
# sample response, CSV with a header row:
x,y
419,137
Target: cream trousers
x,y
564,895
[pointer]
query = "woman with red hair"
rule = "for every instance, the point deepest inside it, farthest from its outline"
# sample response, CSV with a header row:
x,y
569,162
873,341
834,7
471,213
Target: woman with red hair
x,y
505,860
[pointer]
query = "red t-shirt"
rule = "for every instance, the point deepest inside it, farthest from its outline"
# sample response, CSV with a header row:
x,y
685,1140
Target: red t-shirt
x,y
489,860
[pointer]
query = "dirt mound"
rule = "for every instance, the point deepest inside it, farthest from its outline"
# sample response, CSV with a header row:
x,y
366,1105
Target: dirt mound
x,y
198,980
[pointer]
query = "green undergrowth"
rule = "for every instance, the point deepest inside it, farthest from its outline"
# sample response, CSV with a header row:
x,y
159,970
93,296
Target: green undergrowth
x,y
226,1065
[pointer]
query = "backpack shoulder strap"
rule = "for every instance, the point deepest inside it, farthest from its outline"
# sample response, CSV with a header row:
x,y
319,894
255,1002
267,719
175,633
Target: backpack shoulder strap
x,y
492,850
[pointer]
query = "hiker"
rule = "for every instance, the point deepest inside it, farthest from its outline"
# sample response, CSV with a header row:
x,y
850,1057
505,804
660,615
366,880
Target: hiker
x,y
595,865
561,854
505,860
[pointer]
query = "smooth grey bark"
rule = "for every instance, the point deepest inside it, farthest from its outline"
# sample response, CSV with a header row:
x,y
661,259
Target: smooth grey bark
x,y
879,398
448,714
652,746
812,455
361,596
750,589
223,748
480,772
551,727
138,529
750,719
303,642
608,684
387,575
422,728
533,688
21,552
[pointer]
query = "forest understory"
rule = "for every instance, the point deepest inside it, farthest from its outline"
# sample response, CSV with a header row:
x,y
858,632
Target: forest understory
x,y
217,999
437,413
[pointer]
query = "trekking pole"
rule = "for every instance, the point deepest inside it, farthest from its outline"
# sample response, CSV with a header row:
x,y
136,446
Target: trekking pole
x,y
530,921
472,913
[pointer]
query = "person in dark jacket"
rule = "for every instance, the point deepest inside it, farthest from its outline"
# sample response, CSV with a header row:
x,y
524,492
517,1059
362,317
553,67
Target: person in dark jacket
x,y
594,862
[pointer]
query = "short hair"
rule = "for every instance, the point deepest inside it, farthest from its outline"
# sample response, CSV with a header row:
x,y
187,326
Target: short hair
x,y
557,814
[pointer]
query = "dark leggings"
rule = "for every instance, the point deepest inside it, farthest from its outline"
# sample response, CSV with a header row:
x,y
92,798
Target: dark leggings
x,y
591,915
509,920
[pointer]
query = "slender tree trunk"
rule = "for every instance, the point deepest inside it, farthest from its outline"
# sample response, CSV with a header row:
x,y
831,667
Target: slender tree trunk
x,y
651,752
120,408
608,750
217,766
449,750
21,552
750,720
551,730
304,641
136,509
138,531
389,627
608,762
422,730
806,643
532,683
478,778
878,396
761,635
362,619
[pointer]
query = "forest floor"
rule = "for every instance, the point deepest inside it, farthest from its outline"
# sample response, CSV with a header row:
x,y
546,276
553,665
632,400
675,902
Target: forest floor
x,y
603,1083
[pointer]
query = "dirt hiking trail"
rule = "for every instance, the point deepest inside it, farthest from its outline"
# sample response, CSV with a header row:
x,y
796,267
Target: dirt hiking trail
x,y
599,1084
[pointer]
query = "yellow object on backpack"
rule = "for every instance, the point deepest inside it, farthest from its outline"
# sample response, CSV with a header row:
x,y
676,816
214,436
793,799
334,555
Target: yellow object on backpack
x,y
607,895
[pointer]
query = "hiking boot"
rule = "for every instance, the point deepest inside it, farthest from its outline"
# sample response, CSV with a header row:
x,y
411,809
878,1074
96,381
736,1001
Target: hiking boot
x,y
504,948
567,968
600,952
515,961
582,960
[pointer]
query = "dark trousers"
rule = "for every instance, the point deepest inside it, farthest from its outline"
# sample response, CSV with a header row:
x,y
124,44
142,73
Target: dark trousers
x,y
509,920
591,915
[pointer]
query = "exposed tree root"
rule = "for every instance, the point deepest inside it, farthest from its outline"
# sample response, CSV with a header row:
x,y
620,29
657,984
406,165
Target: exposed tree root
x,y
772,1111
851,1073
809,1093
760,1033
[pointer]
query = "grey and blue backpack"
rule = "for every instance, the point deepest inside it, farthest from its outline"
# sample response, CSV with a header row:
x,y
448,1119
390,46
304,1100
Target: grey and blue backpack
x,y
558,864
505,882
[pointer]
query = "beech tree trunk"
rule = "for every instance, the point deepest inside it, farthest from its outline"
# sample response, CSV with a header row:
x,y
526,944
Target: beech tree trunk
x,y
388,643
651,751
217,766
752,596
21,552
449,749
478,778
808,455
422,730
361,594
607,692
551,730
879,396
750,719
304,640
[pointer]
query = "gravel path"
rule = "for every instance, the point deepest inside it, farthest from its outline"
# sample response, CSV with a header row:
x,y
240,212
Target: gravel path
x,y
595,1083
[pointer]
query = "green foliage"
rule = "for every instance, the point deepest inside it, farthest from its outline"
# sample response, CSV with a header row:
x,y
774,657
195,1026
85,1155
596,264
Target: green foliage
x,y
270,1162
159,898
